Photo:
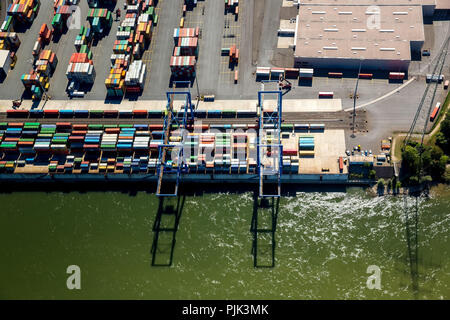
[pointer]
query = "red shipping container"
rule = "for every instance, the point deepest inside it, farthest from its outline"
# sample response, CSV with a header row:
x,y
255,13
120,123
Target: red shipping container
x,y
15,124
335,74
78,132
365,75
396,75
80,127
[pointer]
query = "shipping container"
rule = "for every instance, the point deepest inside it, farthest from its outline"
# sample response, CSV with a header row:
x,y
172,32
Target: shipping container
x,y
326,94
396,75
306,73
335,74
435,111
365,75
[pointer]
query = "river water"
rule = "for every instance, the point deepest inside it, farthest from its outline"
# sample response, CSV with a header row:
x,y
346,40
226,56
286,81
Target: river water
x,y
325,241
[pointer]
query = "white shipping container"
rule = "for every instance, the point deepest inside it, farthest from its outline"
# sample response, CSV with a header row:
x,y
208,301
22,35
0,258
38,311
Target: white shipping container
x,y
144,18
263,71
132,8
3,27
5,61
306,73
37,47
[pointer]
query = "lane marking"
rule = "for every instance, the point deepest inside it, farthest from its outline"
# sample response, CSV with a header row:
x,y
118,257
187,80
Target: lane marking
x,y
384,96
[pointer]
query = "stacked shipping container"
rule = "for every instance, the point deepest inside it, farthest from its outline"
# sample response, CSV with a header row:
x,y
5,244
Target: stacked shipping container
x,y
23,11
183,61
81,69
133,36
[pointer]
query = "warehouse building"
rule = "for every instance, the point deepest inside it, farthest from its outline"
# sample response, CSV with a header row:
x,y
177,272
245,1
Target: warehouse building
x,y
341,34
442,6
428,6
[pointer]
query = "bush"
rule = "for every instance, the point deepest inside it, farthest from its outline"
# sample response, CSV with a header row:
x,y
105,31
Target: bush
x,y
411,160
414,180
426,179
380,182
372,174
447,175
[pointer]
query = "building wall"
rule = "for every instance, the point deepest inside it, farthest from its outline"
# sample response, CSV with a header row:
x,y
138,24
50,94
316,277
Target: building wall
x,y
385,172
336,64
428,10
416,46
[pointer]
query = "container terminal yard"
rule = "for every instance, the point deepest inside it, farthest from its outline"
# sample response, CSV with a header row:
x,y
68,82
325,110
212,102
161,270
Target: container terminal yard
x,y
271,96
66,108
261,92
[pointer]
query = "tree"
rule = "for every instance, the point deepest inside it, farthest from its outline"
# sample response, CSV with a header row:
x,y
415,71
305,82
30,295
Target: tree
x,y
445,126
389,184
380,186
447,175
411,161
436,153
372,174
426,160
414,180
442,142
426,179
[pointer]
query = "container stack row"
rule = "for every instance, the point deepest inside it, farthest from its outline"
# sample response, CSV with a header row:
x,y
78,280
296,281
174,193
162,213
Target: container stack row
x,y
150,114
81,68
101,3
62,10
232,6
265,73
123,147
128,72
20,12
100,20
185,52
37,80
306,146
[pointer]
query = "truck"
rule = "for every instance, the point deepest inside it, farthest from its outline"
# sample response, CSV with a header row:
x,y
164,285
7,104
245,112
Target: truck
x,y
435,111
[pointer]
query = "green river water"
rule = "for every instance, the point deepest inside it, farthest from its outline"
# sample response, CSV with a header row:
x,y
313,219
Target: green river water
x,y
325,242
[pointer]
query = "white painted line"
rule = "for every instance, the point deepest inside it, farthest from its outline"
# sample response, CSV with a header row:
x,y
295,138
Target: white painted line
x,y
383,97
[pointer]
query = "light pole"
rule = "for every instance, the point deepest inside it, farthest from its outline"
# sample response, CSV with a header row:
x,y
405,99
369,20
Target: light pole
x,y
354,98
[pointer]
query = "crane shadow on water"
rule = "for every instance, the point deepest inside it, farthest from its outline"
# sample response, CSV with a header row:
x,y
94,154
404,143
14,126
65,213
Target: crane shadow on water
x,y
165,228
263,228
412,231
